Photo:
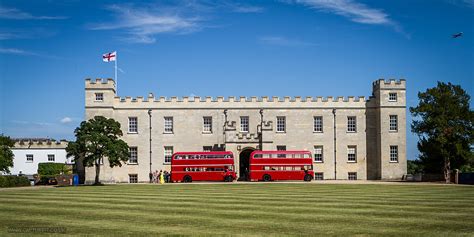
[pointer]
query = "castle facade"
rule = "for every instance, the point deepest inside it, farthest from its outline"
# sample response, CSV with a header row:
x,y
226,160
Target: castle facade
x,y
349,137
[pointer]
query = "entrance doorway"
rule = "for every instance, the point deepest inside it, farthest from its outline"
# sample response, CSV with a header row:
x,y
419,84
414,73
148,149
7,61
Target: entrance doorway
x,y
244,164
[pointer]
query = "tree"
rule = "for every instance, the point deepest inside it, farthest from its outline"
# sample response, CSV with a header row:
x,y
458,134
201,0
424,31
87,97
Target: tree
x,y
6,154
444,124
414,167
96,139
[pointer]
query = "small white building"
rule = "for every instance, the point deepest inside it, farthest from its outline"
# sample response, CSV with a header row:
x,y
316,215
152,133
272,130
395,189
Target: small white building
x,y
28,153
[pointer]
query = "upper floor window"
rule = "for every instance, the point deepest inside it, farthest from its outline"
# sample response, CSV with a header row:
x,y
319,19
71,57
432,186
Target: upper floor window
x,y
168,153
207,124
393,153
133,159
392,96
318,124
244,124
99,96
29,158
351,154
318,153
393,123
168,124
51,158
281,124
132,125
351,124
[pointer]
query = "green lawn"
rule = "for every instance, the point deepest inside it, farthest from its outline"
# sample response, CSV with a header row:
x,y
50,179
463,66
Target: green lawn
x,y
243,209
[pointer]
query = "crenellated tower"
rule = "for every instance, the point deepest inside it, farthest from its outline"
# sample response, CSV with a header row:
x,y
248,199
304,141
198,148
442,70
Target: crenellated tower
x,y
387,113
99,97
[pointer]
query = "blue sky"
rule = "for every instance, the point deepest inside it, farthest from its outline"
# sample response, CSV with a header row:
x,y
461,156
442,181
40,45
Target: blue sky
x,y
222,48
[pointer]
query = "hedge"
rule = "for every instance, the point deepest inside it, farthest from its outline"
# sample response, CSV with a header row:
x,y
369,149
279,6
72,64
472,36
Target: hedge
x,y
46,169
13,181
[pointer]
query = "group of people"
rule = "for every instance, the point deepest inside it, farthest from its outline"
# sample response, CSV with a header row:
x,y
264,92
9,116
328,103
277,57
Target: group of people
x,y
161,177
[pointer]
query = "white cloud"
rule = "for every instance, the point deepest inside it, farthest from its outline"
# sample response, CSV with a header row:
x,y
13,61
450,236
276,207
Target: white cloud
x,y
66,120
15,14
16,51
283,41
240,8
21,52
143,24
462,3
355,11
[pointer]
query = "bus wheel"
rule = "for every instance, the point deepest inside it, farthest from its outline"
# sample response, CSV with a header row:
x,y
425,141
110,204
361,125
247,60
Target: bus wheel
x,y
187,179
228,178
308,178
267,177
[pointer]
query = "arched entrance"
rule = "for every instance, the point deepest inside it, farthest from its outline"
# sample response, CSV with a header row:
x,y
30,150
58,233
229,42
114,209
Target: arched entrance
x,y
244,165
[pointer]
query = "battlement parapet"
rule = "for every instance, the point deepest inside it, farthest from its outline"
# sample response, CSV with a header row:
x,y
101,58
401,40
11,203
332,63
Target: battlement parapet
x,y
99,83
243,99
39,143
390,84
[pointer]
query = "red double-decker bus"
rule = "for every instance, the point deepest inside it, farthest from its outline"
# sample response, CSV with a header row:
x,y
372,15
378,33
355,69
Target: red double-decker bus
x,y
281,165
202,166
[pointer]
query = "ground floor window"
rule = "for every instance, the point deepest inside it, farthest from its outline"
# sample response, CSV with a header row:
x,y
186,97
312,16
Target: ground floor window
x,y
352,175
319,176
133,178
168,154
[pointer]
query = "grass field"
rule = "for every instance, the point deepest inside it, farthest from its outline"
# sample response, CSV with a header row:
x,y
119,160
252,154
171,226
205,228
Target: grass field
x,y
243,209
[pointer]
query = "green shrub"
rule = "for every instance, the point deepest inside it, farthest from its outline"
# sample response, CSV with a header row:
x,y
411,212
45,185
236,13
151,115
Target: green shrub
x,y
47,169
13,181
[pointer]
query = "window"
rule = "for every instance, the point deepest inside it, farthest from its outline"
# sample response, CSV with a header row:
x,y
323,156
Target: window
x,y
318,153
281,148
319,176
393,153
168,153
168,124
281,124
99,96
393,123
132,125
392,97
51,157
318,124
351,124
207,125
207,148
244,124
351,154
133,178
133,159
29,158
352,175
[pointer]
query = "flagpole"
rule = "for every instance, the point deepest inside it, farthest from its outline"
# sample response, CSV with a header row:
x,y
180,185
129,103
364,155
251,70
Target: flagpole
x,y
116,79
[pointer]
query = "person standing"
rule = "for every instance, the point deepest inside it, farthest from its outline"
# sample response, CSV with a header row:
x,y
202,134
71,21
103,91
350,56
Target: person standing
x,y
162,179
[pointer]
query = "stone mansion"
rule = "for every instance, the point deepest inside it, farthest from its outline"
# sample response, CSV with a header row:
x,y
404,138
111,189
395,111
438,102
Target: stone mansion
x,y
349,137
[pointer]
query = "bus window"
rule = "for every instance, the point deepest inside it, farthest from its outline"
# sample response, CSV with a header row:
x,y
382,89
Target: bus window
x,y
257,156
266,168
281,155
288,168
